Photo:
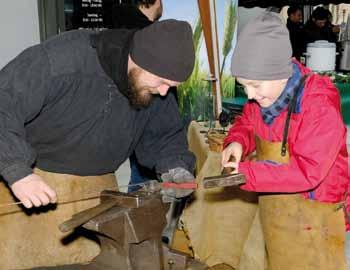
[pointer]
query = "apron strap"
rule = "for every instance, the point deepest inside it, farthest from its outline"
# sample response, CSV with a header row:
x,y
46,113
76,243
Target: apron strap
x,y
291,108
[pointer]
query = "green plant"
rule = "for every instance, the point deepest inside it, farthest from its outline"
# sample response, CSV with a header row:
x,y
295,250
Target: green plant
x,y
229,30
190,94
228,86
194,95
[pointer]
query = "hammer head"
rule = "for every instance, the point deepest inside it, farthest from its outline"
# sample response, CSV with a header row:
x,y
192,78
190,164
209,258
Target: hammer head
x,y
224,180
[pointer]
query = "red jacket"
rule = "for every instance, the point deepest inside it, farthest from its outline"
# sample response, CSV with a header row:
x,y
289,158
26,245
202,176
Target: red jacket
x,y
317,146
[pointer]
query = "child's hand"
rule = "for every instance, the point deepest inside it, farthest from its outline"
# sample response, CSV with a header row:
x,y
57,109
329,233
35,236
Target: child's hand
x,y
231,156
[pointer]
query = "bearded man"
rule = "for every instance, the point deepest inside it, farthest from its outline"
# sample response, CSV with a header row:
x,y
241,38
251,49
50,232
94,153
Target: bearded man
x,y
72,110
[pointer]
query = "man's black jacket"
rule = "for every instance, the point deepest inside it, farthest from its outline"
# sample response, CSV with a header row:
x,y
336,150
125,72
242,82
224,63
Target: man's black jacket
x,y
62,110
296,35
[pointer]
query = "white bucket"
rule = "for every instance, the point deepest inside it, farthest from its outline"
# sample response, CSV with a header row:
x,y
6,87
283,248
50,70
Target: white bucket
x,y
320,55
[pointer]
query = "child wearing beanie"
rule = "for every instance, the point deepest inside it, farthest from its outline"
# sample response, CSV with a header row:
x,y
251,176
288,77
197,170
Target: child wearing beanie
x,y
292,122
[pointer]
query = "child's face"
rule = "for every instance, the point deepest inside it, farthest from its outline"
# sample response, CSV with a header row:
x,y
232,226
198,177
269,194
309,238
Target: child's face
x,y
263,92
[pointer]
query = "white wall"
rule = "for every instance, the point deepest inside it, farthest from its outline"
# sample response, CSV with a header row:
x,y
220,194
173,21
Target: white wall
x,y
19,27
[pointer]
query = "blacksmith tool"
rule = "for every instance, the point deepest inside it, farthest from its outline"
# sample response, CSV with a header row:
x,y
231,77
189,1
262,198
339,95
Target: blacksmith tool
x,y
129,227
226,179
176,205
154,185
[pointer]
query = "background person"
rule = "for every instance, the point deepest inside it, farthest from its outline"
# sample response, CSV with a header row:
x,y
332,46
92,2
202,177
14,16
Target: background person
x,y
137,15
318,28
295,27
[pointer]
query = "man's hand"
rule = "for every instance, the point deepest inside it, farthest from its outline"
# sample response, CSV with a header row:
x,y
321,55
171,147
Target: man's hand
x,y
177,175
231,156
32,190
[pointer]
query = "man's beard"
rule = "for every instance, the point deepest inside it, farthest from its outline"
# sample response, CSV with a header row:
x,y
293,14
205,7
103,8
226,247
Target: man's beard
x,y
139,95
158,14
159,11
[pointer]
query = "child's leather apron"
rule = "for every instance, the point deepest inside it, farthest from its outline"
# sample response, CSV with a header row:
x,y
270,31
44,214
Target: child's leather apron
x,y
32,238
300,234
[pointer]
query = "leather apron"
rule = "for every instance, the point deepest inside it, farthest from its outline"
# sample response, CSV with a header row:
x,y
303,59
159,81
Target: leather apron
x,y
31,238
300,234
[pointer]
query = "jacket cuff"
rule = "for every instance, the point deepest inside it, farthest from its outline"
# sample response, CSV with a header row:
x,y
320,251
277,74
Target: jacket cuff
x,y
16,172
187,162
243,168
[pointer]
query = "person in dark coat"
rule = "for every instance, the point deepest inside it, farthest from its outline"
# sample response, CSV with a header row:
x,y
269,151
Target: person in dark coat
x,y
76,106
136,16
318,27
295,27
127,16
139,15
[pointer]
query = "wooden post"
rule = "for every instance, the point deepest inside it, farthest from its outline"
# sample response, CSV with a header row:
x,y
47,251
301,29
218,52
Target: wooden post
x,y
207,10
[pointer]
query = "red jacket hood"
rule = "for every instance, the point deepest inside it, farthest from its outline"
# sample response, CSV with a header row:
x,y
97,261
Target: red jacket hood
x,y
319,85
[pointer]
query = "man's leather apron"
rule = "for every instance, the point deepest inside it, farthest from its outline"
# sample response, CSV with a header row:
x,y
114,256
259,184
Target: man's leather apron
x,y
300,234
31,238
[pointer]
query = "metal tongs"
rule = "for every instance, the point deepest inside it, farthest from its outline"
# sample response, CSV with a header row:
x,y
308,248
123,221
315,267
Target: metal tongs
x,y
154,185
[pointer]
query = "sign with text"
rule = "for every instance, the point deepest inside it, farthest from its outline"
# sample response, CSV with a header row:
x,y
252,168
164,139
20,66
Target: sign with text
x,y
90,14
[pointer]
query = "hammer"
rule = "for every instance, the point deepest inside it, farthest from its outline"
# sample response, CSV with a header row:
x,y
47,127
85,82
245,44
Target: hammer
x,y
226,179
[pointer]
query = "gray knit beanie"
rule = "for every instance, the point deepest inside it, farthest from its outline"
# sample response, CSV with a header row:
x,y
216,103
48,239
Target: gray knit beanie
x,y
165,48
263,50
